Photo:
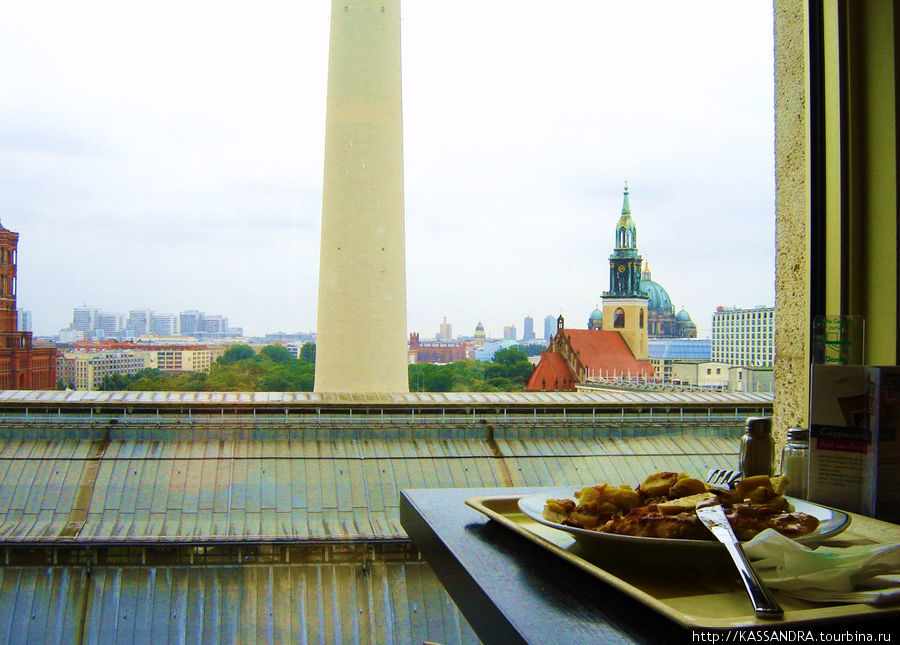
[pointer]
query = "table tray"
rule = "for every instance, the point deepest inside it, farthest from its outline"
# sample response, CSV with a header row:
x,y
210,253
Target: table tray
x,y
696,597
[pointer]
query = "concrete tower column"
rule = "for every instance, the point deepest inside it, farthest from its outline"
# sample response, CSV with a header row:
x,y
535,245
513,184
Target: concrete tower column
x,y
361,327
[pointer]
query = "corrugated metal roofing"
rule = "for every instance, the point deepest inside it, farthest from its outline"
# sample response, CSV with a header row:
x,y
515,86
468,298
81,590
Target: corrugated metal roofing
x,y
313,399
159,486
381,603
146,487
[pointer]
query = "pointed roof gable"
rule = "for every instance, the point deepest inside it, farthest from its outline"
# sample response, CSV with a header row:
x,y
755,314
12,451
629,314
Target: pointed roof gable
x,y
551,374
604,352
599,352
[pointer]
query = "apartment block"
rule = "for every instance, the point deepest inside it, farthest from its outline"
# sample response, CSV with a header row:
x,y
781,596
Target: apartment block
x,y
194,359
744,337
85,370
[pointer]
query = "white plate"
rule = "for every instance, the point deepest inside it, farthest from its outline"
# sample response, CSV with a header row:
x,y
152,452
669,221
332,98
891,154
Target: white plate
x,y
831,522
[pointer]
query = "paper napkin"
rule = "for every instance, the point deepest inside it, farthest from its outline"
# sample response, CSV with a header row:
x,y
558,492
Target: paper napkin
x,y
858,573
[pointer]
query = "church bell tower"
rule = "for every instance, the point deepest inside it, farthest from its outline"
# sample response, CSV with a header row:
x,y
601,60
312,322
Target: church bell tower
x,y
625,304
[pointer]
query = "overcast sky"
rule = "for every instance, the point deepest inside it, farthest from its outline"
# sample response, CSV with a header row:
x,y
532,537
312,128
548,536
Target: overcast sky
x,y
169,155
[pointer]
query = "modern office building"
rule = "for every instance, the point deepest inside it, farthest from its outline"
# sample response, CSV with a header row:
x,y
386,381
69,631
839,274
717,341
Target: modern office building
x,y
23,320
509,332
83,318
191,322
138,322
446,330
164,324
528,334
108,324
549,327
744,337
216,326
92,323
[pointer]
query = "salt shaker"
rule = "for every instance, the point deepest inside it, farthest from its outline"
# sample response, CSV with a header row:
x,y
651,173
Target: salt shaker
x,y
795,462
757,447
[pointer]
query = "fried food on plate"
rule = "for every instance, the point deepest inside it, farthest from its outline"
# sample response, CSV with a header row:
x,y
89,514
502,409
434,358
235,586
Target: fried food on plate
x,y
664,505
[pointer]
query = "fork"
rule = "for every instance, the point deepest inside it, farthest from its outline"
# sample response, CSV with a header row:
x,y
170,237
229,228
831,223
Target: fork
x,y
723,477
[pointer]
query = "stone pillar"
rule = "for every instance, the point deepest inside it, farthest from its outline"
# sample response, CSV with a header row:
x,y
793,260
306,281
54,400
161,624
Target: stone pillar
x,y
792,269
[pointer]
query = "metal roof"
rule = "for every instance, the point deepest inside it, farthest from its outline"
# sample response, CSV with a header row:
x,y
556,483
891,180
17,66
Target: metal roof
x,y
412,399
382,603
160,509
331,484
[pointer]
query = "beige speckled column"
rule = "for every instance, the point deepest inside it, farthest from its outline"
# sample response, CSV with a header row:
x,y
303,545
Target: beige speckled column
x,y
792,282
361,327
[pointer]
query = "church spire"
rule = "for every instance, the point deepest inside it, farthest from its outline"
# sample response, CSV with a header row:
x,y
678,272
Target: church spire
x,y
625,261
626,231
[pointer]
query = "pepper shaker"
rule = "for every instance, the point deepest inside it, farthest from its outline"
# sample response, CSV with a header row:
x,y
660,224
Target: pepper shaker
x,y
757,447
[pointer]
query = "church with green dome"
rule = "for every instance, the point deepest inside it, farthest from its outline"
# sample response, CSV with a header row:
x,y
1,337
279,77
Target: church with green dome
x,y
628,277
662,321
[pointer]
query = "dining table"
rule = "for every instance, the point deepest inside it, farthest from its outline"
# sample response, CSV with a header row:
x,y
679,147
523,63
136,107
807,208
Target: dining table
x,y
515,584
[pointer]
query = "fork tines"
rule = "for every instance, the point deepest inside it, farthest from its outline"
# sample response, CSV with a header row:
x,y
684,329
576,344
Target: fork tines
x,y
722,477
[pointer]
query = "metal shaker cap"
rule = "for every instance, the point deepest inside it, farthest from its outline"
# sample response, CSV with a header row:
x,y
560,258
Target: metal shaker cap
x,y
759,426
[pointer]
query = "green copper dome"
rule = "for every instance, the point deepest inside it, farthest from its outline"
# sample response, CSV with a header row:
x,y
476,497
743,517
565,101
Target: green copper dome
x,y
683,316
597,314
659,298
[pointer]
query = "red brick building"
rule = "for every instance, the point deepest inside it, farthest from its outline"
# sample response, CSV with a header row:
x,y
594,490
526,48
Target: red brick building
x,y
435,351
575,355
22,366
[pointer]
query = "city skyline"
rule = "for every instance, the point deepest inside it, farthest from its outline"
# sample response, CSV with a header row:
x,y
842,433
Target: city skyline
x,y
190,175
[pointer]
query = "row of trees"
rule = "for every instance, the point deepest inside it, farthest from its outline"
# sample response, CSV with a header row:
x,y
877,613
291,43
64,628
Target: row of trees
x,y
239,369
508,372
273,369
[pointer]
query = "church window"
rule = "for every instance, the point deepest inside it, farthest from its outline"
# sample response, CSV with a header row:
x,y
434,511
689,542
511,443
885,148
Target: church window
x,y
619,318
641,322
